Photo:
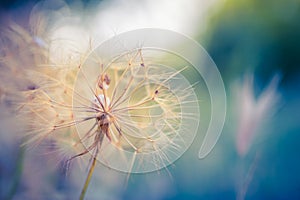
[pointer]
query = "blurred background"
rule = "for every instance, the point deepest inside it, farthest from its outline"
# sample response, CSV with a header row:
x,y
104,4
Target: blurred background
x,y
256,47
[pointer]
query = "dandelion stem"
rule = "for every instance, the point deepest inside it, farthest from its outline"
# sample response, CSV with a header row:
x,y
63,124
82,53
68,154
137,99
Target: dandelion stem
x,y
88,178
18,174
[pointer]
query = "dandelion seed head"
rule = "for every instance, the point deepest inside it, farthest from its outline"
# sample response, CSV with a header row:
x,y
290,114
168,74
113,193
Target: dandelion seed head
x,y
134,111
145,107
140,114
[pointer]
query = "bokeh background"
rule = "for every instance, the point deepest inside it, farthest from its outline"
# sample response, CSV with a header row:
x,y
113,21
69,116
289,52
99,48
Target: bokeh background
x,y
256,46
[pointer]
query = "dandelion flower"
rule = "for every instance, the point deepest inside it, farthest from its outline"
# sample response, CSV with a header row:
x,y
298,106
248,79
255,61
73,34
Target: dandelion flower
x,y
133,113
129,106
142,106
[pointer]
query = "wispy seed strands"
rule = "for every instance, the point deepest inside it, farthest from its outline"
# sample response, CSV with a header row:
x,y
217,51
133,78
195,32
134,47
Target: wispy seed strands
x,y
145,112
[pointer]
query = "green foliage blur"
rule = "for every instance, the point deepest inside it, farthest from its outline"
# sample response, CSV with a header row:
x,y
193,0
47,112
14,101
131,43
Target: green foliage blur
x,y
260,36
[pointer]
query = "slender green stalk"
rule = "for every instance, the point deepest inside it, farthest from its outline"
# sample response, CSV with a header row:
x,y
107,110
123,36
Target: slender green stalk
x,y
88,178
18,174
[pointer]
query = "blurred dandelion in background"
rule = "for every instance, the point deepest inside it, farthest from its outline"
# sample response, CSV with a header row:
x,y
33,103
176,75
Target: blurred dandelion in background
x,y
253,111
